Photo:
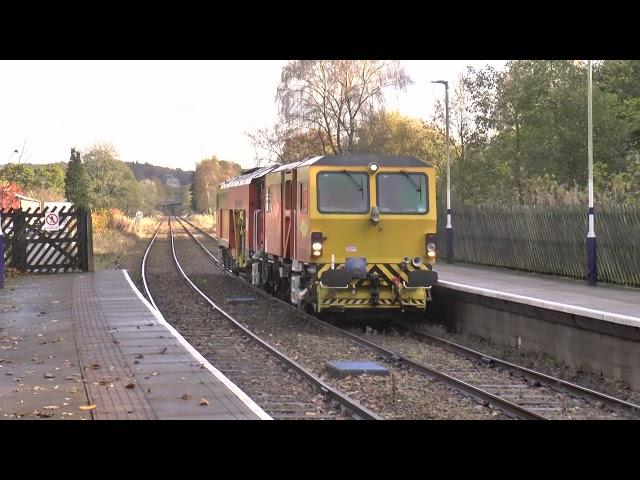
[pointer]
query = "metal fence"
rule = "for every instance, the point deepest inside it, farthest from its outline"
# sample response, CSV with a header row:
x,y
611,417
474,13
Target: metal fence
x,y
547,239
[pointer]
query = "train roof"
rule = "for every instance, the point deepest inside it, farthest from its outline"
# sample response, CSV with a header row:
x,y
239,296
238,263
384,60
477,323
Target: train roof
x,y
248,176
362,160
358,160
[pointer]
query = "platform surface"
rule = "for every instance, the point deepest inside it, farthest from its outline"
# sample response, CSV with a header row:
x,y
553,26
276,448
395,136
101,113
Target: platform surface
x,y
88,346
604,302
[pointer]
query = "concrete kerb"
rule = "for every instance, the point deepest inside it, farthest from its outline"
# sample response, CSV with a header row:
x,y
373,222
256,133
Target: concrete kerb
x,y
537,302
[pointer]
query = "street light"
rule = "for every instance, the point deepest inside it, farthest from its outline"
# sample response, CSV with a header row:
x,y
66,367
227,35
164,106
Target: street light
x,y
592,263
449,228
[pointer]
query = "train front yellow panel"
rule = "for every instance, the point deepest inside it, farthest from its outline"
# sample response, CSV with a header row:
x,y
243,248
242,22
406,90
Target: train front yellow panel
x,y
375,221
394,237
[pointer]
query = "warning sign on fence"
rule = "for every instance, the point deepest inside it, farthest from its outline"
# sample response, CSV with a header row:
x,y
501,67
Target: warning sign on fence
x,y
51,222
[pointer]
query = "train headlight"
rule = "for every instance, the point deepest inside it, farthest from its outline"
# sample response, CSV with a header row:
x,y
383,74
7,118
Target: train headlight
x,y
416,262
431,245
316,243
373,167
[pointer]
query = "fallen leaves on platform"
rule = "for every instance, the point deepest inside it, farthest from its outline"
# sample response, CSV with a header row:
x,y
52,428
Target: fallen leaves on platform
x,y
87,407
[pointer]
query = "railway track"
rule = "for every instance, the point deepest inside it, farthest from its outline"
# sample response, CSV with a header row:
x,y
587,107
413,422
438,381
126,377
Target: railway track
x,y
404,393
283,388
551,386
517,391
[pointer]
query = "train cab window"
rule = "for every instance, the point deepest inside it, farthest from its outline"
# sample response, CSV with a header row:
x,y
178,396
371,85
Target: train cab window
x,y
402,193
343,192
304,197
287,195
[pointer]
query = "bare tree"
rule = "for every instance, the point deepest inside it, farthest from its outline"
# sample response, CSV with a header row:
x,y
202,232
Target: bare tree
x,y
270,142
333,96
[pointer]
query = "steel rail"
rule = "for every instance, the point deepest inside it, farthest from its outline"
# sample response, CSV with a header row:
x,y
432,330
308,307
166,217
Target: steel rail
x,y
144,263
358,410
509,408
549,381
199,229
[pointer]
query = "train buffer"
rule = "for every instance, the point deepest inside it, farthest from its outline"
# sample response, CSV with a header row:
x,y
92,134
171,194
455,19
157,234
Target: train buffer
x,y
89,346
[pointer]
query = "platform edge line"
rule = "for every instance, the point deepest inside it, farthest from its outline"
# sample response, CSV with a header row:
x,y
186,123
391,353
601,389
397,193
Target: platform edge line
x,y
253,406
538,302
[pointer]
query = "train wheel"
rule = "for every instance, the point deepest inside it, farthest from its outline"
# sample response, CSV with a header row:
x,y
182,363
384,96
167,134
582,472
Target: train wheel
x,y
264,274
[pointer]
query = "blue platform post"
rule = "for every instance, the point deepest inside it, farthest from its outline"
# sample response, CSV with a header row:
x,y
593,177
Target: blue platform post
x,y
592,253
592,257
449,237
449,228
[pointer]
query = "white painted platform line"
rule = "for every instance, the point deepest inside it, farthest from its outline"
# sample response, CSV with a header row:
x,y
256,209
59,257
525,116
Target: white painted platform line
x,y
253,406
538,302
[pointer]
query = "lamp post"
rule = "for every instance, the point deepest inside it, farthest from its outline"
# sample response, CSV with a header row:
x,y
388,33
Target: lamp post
x,y
449,228
592,263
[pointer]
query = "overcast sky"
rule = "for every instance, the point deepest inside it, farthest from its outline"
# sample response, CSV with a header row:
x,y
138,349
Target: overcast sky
x,y
169,113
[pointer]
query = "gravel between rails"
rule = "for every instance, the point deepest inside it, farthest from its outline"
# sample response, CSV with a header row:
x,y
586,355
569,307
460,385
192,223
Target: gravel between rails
x,y
404,394
283,394
561,405
539,362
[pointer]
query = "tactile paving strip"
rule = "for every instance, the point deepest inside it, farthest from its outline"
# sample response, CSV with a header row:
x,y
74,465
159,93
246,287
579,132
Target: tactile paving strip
x,y
110,383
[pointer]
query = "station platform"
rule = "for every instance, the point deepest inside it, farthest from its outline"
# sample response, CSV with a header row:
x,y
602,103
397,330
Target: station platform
x,y
614,304
89,346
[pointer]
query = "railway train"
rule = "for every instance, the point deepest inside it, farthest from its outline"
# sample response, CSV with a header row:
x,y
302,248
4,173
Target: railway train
x,y
334,233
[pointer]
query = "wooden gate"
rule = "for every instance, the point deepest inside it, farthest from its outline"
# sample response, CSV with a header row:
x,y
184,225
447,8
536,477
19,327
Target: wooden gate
x,y
29,248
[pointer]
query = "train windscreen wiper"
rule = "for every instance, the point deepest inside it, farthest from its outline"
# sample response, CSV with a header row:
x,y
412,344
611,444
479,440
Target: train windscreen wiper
x,y
359,185
418,186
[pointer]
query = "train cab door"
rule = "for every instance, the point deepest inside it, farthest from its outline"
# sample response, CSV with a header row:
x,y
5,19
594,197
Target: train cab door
x,y
289,211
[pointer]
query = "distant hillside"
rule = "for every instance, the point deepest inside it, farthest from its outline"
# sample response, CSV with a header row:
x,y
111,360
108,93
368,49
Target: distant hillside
x,y
146,170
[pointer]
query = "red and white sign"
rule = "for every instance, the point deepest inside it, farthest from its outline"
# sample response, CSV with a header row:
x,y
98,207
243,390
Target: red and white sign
x,y
51,222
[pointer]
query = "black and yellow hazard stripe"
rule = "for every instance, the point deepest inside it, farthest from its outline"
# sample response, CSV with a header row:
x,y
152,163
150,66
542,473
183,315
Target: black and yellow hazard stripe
x,y
346,301
388,274
367,301
386,271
